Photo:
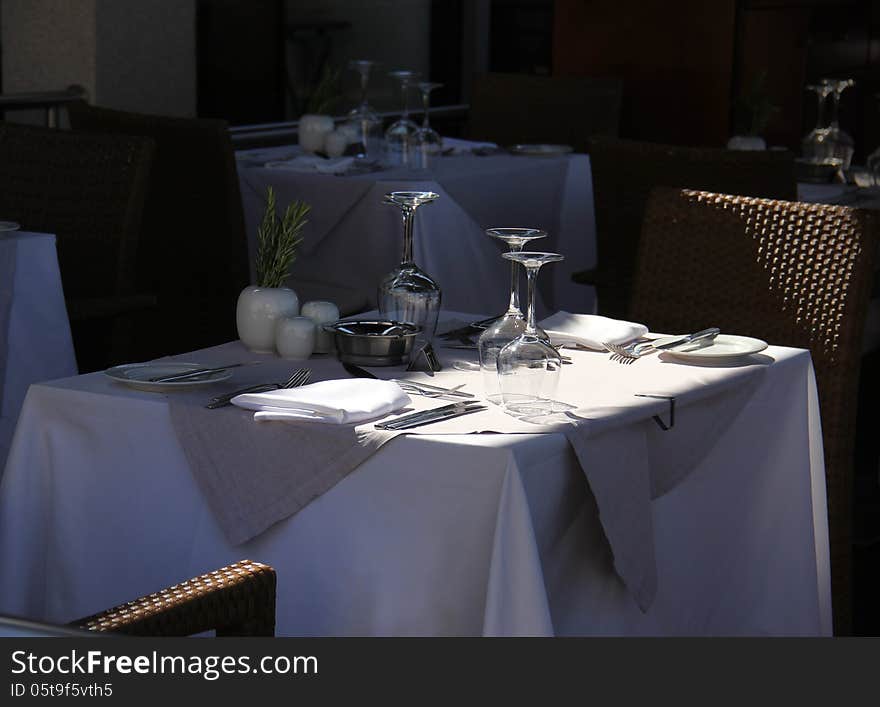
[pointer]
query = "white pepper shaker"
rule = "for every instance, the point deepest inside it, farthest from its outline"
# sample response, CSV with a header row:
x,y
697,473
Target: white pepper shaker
x,y
322,312
295,337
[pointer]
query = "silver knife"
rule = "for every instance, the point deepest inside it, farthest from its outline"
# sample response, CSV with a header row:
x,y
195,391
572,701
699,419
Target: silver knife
x,y
709,333
192,374
423,418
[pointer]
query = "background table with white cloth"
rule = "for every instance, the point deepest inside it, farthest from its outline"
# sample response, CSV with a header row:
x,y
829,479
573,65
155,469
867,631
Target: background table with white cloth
x,y
449,534
353,240
34,329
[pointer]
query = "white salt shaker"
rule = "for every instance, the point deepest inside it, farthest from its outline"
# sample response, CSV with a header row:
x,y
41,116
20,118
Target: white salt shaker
x,y
295,337
322,312
312,130
335,143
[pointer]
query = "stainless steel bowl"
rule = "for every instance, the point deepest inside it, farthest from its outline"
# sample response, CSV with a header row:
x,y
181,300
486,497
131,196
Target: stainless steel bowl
x,y
373,342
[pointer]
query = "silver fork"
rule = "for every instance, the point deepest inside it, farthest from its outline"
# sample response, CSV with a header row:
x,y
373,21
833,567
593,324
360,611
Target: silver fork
x,y
300,377
632,352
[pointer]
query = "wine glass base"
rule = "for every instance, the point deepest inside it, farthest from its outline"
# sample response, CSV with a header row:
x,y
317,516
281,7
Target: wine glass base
x,y
520,405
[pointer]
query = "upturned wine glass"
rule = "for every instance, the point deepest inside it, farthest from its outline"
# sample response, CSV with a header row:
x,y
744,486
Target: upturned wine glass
x,y
400,137
429,142
363,118
407,293
528,367
511,324
841,144
814,146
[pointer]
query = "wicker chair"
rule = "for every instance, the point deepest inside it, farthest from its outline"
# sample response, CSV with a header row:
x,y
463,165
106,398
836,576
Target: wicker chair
x,y
624,172
194,250
519,108
236,600
792,274
89,191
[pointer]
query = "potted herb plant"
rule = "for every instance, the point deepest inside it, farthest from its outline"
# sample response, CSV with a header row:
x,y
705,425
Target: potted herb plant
x,y
261,305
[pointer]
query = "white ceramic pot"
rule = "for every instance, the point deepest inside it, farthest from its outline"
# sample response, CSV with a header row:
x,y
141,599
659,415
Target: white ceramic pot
x,y
313,130
295,337
258,311
322,312
746,142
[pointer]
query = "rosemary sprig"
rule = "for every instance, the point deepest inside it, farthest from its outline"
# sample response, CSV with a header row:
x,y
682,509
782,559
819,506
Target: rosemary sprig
x,y
278,240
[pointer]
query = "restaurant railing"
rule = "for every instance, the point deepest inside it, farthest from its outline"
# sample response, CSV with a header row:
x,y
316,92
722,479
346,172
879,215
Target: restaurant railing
x,y
268,134
50,101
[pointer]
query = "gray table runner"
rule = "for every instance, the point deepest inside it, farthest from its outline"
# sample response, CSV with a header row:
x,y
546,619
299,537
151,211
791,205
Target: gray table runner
x,y
254,474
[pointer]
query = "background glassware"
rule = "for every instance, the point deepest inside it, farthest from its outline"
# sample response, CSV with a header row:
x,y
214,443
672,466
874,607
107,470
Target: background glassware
x,y
511,324
814,145
407,293
528,367
364,120
840,143
400,137
430,144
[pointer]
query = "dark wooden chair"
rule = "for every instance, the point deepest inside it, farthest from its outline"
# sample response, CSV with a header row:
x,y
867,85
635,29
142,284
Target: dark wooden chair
x,y
236,600
625,171
193,252
89,191
790,273
520,108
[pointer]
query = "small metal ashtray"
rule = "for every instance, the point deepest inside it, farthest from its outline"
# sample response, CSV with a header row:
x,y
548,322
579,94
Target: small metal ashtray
x,y
373,342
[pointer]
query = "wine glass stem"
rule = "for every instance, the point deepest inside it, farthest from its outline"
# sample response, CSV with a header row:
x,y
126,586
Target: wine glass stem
x,y
835,104
820,109
404,86
408,218
426,103
365,77
513,308
532,274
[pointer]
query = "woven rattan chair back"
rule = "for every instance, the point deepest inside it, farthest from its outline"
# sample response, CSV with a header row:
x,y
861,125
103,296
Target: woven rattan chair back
x,y
194,252
89,191
625,171
519,108
236,600
790,273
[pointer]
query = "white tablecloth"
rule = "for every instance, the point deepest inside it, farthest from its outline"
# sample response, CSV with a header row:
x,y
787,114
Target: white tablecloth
x,y
353,239
37,340
494,534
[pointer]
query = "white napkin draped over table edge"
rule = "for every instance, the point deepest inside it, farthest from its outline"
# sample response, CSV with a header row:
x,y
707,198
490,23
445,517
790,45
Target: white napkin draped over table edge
x,y
590,330
340,402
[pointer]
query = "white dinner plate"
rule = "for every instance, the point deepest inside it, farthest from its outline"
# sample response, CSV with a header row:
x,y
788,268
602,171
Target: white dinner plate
x,y
137,375
541,150
6,226
724,347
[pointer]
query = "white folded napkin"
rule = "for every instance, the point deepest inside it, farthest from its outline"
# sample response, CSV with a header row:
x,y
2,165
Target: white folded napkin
x,y
335,401
590,330
313,163
463,147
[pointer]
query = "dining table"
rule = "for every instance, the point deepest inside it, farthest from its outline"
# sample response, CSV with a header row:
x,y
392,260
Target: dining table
x,y
35,339
674,496
353,239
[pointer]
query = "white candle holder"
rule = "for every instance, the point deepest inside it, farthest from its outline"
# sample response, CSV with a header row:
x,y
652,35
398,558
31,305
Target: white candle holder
x,y
322,312
312,130
295,337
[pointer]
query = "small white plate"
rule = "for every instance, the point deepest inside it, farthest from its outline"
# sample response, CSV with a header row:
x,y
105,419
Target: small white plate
x,y
8,226
137,375
541,150
725,347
